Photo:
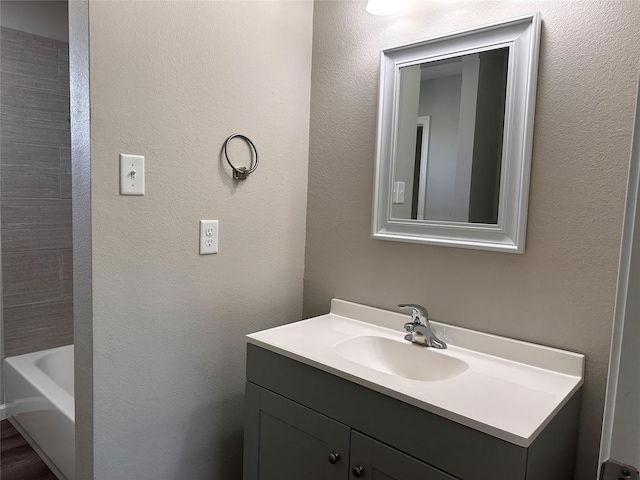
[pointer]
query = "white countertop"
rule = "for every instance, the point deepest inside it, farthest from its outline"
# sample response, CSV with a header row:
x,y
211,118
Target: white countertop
x,y
511,390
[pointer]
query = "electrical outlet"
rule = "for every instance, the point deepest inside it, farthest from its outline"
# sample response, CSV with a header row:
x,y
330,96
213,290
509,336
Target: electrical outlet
x,y
208,237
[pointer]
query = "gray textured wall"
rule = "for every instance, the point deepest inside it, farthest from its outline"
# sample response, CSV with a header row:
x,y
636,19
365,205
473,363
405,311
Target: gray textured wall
x,y
561,292
171,80
35,162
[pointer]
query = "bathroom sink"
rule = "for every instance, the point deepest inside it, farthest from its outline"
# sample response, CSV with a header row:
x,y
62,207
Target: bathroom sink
x,y
502,387
401,358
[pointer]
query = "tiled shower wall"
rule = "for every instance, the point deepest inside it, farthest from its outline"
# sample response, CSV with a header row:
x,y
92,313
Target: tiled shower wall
x,y
35,192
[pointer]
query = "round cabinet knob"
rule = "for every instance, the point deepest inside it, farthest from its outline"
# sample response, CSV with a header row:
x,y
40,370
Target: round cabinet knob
x,y
357,471
333,458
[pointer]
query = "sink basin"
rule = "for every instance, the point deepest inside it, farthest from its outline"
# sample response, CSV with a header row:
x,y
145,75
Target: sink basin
x,y
400,358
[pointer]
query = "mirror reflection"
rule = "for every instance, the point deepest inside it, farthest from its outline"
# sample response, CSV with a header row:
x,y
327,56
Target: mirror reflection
x,y
448,152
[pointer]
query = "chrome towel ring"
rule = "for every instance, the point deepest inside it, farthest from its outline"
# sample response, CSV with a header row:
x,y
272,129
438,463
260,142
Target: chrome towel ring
x,y
241,173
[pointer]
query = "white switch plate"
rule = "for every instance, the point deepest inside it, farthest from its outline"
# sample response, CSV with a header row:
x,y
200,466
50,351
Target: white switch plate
x,y
398,192
208,237
131,174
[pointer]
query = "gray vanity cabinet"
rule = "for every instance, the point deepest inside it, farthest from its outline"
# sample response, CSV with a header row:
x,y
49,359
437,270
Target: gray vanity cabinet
x,y
298,415
286,441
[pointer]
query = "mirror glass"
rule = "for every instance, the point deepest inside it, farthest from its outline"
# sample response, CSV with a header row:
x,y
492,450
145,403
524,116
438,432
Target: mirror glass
x,y
454,137
448,154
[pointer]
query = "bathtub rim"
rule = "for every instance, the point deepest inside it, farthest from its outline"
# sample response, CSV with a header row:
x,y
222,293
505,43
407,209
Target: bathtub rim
x,y
25,366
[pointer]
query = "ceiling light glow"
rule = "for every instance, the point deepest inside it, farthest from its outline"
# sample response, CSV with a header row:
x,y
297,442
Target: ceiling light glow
x,y
384,7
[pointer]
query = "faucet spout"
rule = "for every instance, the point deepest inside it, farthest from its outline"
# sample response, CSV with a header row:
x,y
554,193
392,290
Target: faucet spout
x,y
419,329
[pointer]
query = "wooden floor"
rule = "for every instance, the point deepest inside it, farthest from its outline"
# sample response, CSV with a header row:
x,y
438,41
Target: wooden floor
x,y
18,461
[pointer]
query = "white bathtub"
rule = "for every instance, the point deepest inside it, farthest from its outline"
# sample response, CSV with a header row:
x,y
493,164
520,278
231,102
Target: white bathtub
x,y
40,403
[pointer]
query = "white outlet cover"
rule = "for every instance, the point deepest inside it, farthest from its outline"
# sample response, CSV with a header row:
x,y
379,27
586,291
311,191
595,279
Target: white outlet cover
x,y
208,237
131,174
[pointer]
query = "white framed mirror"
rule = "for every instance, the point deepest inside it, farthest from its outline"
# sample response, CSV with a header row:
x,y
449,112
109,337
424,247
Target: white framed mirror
x,y
454,137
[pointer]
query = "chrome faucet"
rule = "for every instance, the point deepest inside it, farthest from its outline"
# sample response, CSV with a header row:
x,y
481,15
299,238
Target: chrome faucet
x,y
419,327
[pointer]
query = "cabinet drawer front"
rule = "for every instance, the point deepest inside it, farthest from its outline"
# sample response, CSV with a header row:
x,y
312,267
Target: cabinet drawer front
x,y
287,441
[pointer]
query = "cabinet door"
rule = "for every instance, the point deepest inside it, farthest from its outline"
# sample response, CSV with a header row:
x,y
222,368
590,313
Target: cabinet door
x,y
286,441
378,461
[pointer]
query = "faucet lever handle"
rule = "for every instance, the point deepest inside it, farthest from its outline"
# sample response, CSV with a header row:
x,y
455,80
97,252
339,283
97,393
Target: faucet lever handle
x,y
419,314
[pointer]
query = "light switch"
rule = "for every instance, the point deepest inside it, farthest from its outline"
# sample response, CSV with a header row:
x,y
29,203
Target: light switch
x,y
131,174
398,192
